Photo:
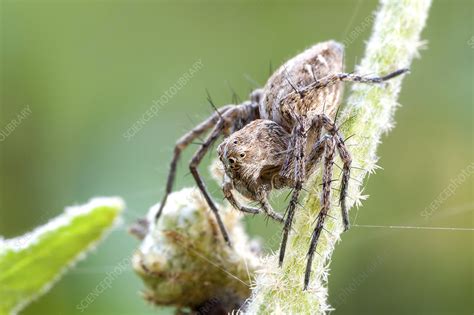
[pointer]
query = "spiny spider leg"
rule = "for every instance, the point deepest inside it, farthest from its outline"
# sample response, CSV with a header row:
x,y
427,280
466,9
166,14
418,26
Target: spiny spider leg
x,y
314,157
197,157
299,142
227,120
224,121
346,174
181,145
348,77
319,122
325,205
346,160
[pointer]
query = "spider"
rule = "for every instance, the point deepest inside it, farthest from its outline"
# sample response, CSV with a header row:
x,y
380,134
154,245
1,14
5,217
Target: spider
x,y
275,139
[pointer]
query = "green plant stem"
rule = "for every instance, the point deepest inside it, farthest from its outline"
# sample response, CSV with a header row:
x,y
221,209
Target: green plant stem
x,y
367,115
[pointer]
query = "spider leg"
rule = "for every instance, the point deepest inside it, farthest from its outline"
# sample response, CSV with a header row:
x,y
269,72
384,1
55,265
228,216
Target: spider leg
x,y
325,205
196,159
227,121
350,77
346,169
181,145
346,172
299,142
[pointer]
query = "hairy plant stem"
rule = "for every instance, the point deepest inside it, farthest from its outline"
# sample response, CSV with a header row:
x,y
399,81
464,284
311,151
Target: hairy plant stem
x,y
367,115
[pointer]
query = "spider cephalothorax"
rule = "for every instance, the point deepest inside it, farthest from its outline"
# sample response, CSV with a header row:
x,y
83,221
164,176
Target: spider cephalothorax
x,y
253,157
275,139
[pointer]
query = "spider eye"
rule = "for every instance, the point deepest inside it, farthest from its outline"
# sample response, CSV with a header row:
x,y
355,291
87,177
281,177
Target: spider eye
x,y
231,160
242,155
235,141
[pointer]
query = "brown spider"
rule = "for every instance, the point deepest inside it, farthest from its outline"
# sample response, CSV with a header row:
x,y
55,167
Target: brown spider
x,y
276,139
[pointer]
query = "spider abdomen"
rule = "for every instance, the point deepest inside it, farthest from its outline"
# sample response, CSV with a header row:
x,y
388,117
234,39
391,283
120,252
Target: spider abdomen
x,y
288,93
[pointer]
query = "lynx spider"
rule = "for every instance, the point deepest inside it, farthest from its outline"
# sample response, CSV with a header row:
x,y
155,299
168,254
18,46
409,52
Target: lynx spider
x,y
276,139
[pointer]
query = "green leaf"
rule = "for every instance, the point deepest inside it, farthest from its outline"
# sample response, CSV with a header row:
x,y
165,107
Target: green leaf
x,y
32,263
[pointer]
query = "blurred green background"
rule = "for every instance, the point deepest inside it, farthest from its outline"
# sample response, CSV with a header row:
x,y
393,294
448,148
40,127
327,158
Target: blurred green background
x,y
89,69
